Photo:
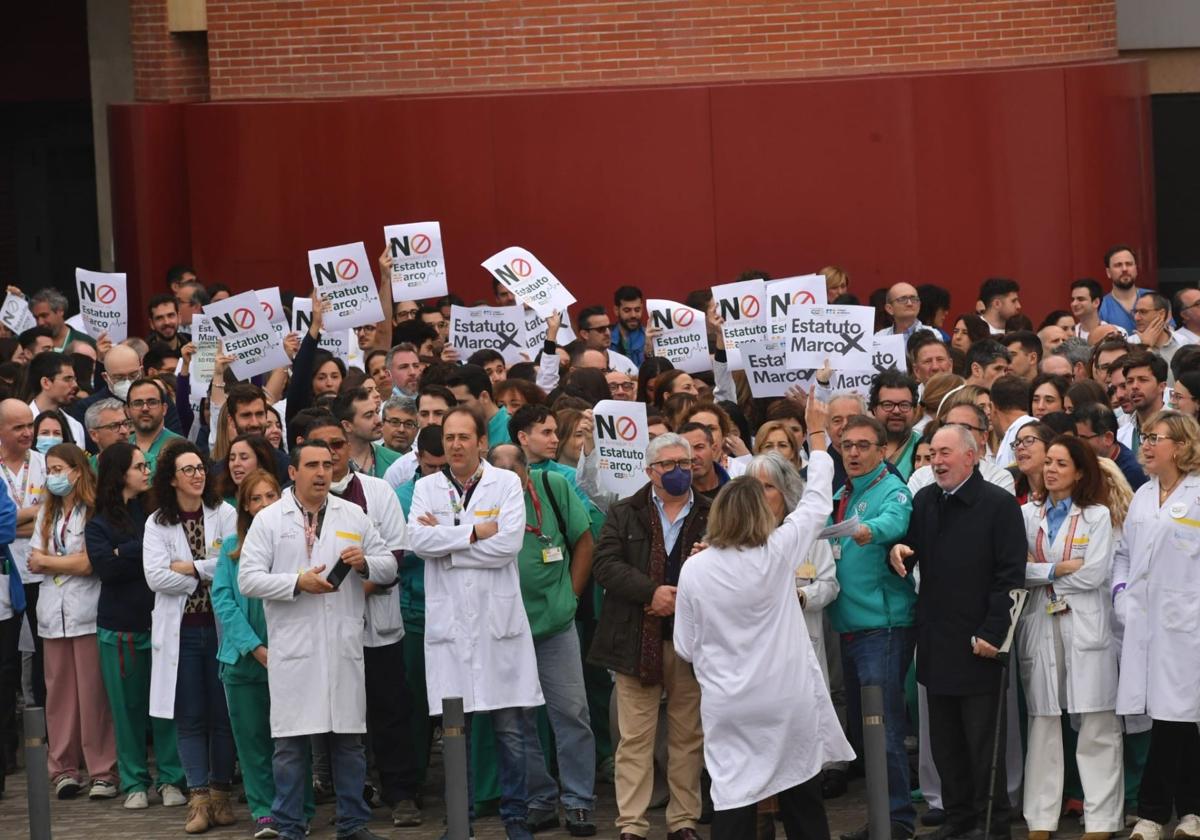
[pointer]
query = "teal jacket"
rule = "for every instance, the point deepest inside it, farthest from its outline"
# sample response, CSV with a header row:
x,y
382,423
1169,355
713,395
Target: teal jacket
x,y
243,623
871,596
412,572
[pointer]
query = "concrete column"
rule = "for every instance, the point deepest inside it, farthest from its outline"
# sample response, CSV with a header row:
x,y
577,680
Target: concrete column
x,y
110,59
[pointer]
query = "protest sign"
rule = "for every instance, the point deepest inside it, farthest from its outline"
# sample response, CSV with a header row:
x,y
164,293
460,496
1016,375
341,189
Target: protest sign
x,y
742,307
889,351
500,328
103,303
766,367
336,342
684,337
418,265
841,334
204,336
535,333
530,282
15,314
272,307
808,289
854,381
621,439
247,335
342,275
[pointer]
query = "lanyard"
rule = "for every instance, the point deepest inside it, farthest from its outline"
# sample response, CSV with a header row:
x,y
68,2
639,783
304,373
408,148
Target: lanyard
x,y
60,535
844,502
18,495
1039,548
312,525
456,504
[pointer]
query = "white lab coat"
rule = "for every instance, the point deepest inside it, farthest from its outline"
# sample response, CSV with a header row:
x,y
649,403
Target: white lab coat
x,y
384,622
478,645
67,604
1088,642
161,545
402,471
1160,606
769,724
32,491
819,592
315,657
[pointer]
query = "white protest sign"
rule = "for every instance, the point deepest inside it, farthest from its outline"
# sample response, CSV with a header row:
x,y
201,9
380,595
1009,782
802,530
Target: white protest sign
x,y
621,440
808,289
889,351
418,265
272,307
15,314
855,381
500,328
336,342
204,335
841,334
247,335
684,337
342,275
742,307
535,333
766,367
103,303
530,282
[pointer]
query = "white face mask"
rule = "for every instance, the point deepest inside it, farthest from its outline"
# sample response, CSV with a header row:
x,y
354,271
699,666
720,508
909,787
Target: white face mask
x,y
339,487
121,389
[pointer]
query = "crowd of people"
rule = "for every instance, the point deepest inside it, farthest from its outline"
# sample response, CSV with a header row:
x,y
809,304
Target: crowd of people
x,y
284,577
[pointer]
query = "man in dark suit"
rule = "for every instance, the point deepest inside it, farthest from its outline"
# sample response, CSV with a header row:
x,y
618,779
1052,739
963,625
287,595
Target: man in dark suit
x,y
969,538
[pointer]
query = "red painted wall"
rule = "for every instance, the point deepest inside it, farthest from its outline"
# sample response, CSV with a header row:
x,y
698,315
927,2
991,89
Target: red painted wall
x,y
942,178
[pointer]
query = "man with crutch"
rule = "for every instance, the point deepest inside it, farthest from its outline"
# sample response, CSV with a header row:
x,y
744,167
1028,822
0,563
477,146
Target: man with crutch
x,y
966,535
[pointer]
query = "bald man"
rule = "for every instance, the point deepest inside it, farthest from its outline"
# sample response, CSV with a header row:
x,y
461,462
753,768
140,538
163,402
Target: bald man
x,y
903,304
122,367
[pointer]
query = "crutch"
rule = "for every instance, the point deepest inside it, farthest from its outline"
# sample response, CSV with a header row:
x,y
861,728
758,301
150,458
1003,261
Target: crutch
x,y
1018,598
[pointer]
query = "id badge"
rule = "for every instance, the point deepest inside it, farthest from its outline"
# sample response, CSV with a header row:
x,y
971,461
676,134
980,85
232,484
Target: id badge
x,y
552,555
807,571
837,550
1057,607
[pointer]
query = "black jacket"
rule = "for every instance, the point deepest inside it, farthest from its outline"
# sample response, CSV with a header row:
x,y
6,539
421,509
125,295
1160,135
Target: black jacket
x,y
620,564
116,558
971,549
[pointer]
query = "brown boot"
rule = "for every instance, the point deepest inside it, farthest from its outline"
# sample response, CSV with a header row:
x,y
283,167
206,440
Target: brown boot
x,y
220,808
199,816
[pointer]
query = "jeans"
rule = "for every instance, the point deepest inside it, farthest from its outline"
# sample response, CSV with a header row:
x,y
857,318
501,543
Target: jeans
x,y
201,717
560,670
389,708
510,726
882,658
290,765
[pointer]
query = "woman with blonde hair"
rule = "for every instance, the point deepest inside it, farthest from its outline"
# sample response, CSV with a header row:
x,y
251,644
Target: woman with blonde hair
x,y
572,440
837,282
977,396
775,436
1156,594
935,391
737,620
78,722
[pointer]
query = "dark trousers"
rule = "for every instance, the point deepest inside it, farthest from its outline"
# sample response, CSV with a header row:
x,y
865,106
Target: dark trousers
x,y
389,707
10,684
961,733
39,671
1171,780
802,808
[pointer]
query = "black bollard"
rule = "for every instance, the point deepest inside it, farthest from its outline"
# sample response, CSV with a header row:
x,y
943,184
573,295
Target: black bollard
x,y
454,756
36,773
879,818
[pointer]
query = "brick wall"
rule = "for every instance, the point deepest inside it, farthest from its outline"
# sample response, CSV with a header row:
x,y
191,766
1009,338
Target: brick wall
x,y
323,48
166,67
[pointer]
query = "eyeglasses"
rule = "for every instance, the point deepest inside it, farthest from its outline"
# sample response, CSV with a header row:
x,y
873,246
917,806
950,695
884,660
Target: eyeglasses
x,y
335,445
1153,439
858,445
599,328
907,299
144,467
404,424
1087,437
1026,442
1144,311
889,406
667,466
191,470
137,405
127,377
114,427
622,386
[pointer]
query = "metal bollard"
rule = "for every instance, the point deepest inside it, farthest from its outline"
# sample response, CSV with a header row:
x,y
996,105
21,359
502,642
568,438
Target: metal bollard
x,y
454,755
36,773
879,819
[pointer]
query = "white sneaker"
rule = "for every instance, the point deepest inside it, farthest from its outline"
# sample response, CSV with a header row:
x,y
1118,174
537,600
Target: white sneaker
x,y
137,800
1188,828
102,789
1146,830
65,787
172,797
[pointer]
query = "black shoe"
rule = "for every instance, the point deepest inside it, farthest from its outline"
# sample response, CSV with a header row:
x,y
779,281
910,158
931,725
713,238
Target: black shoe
x,y
859,834
579,823
541,819
933,817
833,784
517,830
363,833
901,832
945,831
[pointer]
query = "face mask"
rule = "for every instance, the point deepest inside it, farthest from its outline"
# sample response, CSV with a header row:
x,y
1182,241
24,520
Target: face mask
x,y
121,389
339,487
45,444
677,481
60,485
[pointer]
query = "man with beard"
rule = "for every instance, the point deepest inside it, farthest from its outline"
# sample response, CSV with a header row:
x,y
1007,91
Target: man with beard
x,y
164,322
893,401
1145,382
629,339
148,411
1120,264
